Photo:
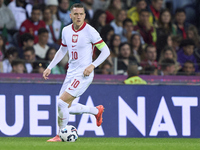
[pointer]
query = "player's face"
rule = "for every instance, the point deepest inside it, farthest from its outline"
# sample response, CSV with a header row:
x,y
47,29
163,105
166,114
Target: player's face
x,y
77,15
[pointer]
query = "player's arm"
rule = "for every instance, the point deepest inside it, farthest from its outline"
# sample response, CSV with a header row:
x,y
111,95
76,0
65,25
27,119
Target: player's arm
x,y
57,58
105,52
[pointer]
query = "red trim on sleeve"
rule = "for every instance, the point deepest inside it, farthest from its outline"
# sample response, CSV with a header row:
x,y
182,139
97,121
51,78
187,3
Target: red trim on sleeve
x,y
63,45
84,24
98,42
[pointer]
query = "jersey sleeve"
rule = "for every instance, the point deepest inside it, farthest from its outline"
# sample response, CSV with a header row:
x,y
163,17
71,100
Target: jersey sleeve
x,y
96,39
58,57
63,42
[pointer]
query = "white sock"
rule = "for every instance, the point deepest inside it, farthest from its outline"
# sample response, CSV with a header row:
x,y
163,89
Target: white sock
x,y
77,108
63,113
94,110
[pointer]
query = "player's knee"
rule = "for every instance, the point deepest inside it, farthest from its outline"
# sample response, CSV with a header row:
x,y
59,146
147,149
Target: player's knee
x,y
66,97
62,102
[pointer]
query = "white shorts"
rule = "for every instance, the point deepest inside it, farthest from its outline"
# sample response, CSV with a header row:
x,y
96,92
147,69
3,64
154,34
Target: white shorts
x,y
76,86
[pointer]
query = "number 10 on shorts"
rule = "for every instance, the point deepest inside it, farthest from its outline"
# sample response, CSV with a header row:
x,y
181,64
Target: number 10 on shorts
x,y
75,83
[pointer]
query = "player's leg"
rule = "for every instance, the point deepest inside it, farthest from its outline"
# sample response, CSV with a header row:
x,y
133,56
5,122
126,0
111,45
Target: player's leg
x,y
64,102
77,108
61,104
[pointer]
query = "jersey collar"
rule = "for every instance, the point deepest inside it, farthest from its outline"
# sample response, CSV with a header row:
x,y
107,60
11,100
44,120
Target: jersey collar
x,y
84,24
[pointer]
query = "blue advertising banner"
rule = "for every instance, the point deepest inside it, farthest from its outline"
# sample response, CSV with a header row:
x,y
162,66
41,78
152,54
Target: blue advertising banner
x,y
130,110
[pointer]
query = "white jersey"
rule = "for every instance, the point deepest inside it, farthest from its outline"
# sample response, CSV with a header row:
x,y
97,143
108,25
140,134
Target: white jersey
x,y
80,47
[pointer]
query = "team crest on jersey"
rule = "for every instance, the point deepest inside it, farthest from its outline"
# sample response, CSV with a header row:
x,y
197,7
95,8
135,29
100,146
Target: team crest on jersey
x,y
74,38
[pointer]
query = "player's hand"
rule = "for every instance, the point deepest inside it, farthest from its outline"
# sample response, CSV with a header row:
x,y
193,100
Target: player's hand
x,y
88,70
46,73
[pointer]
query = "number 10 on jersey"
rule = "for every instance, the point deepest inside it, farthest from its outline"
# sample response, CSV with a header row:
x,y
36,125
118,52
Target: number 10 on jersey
x,y
74,55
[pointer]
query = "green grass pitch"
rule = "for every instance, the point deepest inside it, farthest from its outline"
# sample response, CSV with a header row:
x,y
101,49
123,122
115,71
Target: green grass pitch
x,y
39,143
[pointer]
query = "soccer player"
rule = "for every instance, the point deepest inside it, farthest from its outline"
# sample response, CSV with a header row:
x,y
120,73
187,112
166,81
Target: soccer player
x,y
78,40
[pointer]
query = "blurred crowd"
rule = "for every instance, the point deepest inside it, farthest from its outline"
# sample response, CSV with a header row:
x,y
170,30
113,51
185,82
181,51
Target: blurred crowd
x,y
160,37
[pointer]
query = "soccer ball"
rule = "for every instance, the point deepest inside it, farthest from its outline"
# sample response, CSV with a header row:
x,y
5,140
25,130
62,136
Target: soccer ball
x,y
68,134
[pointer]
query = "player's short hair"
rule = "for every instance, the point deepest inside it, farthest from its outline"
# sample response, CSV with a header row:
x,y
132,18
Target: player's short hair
x,y
76,5
29,48
180,10
17,62
149,46
167,62
42,30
